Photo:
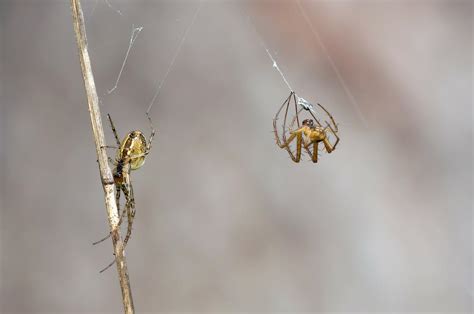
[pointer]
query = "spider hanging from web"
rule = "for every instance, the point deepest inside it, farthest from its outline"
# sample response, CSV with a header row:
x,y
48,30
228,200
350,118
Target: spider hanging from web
x,y
131,154
308,134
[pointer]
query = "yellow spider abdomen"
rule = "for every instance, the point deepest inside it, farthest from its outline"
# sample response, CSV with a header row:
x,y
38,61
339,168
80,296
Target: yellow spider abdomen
x,y
133,148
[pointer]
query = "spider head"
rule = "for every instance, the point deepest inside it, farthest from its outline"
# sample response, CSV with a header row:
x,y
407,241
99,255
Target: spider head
x,y
309,123
135,134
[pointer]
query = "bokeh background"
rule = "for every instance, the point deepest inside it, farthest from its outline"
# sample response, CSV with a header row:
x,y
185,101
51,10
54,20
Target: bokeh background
x,y
226,222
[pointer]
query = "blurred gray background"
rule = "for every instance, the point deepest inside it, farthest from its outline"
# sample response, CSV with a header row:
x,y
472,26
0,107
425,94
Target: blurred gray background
x,y
226,222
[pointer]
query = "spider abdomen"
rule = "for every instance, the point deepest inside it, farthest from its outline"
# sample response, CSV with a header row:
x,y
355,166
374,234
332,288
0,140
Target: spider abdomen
x,y
133,149
315,135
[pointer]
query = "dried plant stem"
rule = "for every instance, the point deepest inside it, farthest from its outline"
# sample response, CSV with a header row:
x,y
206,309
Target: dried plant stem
x,y
105,172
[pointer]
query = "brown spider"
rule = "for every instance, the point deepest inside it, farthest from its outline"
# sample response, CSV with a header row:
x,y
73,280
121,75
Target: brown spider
x,y
308,134
131,154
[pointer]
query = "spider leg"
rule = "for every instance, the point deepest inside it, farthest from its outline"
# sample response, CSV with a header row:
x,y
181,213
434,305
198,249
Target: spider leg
x,y
306,147
315,119
290,128
122,215
107,267
102,240
112,262
111,161
150,139
129,204
114,130
286,117
110,234
328,146
330,117
296,109
275,130
130,213
299,142
117,198
286,142
314,157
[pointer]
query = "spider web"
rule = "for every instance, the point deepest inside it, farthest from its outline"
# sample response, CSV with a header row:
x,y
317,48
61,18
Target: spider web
x,y
133,37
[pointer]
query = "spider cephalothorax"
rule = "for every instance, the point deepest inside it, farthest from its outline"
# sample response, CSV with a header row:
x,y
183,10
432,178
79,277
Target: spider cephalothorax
x,y
308,122
308,134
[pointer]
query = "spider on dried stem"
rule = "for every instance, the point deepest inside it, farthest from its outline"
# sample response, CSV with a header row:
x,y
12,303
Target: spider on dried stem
x,y
310,133
131,154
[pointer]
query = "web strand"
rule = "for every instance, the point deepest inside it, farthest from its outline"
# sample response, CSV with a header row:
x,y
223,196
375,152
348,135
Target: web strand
x,y
274,63
300,101
133,37
333,65
110,6
170,67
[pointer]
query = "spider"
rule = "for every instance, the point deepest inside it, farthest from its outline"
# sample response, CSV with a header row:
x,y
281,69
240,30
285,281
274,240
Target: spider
x,y
131,154
308,134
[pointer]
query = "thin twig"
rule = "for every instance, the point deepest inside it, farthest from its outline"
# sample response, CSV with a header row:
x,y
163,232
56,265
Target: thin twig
x,y
105,172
